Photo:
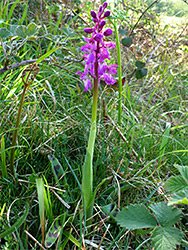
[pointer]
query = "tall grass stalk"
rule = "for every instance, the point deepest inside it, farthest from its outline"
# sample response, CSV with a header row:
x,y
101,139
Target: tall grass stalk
x,y
31,74
119,72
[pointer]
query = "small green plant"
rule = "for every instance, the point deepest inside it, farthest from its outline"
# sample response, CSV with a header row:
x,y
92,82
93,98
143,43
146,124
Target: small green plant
x,y
162,219
178,186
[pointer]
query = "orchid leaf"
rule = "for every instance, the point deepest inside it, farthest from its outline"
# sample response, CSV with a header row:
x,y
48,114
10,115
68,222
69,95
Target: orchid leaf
x,y
57,168
54,231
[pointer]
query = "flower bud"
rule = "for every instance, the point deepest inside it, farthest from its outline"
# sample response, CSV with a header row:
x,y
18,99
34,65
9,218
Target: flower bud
x,y
102,23
107,32
105,5
98,37
93,14
88,30
100,11
95,20
107,13
100,8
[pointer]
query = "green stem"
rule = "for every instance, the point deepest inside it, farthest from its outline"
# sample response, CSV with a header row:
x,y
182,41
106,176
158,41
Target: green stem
x,y
16,131
87,169
119,72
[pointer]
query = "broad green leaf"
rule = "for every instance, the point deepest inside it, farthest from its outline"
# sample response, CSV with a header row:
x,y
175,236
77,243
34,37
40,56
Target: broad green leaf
x,y
175,184
166,238
135,217
87,168
21,31
127,41
17,224
32,28
57,169
180,197
4,33
164,214
139,64
183,171
123,32
140,73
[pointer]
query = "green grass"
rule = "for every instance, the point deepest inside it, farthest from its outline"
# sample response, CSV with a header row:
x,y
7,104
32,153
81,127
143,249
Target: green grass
x,y
133,156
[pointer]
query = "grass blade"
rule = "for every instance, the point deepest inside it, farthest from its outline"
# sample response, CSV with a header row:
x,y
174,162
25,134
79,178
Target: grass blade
x,y
40,191
17,224
3,158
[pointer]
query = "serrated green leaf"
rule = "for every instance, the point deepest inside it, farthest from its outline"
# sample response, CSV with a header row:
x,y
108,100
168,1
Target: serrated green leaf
x,y
135,217
183,171
127,41
164,214
32,28
180,197
12,28
175,184
140,73
123,32
4,33
166,238
21,31
140,64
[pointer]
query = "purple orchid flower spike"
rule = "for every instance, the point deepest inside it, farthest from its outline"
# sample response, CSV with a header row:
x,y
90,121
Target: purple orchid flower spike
x,y
96,51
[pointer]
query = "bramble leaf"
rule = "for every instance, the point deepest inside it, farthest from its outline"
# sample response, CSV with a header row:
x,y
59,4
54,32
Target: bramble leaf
x,y
127,41
166,238
140,73
164,214
4,33
175,184
183,171
139,64
180,197
135,216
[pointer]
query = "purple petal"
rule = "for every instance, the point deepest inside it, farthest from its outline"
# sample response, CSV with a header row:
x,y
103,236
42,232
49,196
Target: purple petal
x,y
98,37
110,45
87,84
